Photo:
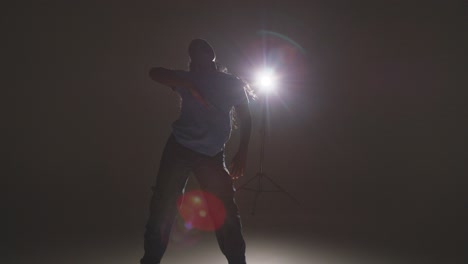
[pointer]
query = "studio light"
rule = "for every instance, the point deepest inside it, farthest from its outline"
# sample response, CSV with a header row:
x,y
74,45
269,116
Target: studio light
x,y
265,83
266,80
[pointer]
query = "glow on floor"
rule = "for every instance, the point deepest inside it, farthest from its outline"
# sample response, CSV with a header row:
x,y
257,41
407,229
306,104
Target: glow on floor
x,y
204,249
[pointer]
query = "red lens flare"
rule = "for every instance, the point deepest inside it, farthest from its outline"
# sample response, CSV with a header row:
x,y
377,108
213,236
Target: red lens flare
x,y
201,210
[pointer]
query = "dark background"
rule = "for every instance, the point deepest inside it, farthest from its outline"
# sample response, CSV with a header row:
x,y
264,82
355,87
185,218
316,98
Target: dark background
x,y
366,129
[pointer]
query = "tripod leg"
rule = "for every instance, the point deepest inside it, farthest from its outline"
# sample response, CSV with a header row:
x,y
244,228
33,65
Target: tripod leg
x,y
282,189
257,192
245,184
254,207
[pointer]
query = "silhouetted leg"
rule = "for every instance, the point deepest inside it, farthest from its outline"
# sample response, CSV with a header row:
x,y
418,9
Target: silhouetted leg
x,y
172,176
213,178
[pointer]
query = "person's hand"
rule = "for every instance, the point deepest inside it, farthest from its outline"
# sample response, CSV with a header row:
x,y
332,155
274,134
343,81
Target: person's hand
x,y
196,94
237,167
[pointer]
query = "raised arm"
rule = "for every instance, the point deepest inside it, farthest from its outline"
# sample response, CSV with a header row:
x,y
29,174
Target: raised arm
x,y
239,161
172,79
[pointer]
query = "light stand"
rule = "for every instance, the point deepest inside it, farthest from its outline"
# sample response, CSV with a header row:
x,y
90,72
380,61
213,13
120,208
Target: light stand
x,y
261,176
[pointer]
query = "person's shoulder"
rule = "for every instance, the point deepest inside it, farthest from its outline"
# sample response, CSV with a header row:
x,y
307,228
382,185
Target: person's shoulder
x,y
187,75
227,75
230,78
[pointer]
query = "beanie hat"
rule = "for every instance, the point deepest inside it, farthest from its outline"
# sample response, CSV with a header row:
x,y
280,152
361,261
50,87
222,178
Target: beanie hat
x,y
201,48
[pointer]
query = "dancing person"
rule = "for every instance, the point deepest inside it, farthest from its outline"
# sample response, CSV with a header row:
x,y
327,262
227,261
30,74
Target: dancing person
x,y
210,100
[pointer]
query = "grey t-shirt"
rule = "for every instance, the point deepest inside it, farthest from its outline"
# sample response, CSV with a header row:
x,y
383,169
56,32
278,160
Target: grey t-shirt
x,y
206,129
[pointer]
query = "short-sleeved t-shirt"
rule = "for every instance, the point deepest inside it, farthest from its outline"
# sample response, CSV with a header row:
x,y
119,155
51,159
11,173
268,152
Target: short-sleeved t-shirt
x,y
206,129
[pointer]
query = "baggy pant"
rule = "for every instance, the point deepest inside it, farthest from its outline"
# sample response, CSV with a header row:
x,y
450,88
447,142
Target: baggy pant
x,y
176,164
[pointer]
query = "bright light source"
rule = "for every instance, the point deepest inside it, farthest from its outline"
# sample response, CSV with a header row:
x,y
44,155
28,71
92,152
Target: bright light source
x,y
266,80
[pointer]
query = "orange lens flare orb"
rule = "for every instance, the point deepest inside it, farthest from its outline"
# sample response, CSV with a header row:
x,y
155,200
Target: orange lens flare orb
x,y
201,210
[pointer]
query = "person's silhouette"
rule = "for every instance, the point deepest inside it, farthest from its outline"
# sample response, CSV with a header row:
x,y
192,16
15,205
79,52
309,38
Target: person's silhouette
x,y
196,145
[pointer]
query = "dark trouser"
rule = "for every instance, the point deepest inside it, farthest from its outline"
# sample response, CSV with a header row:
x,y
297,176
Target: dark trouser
x,y
176,164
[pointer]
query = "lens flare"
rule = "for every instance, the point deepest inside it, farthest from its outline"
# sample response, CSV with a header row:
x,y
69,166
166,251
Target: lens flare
x,y
201,210
266,80
283,37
